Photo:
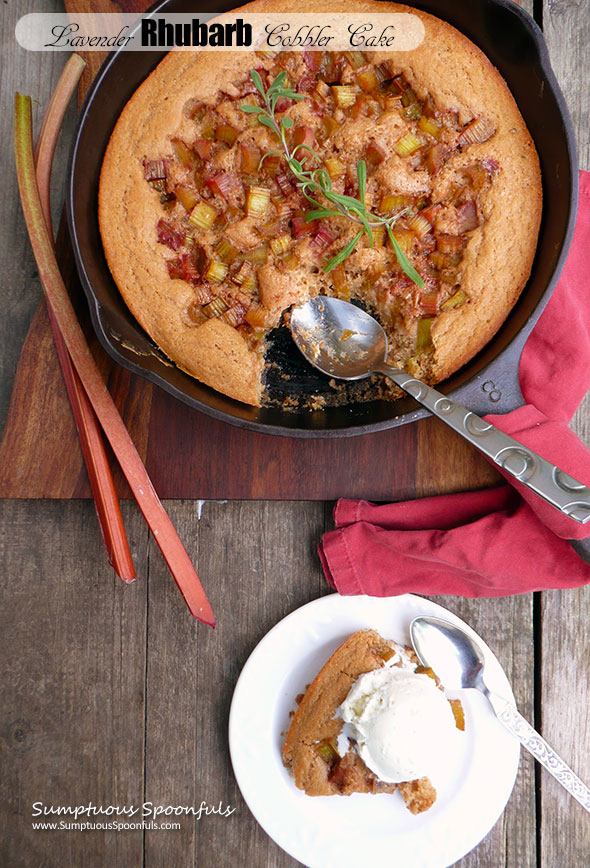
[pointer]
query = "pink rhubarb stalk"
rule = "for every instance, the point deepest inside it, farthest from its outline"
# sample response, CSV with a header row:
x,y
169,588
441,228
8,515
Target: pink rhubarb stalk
x,y
98,468
104,407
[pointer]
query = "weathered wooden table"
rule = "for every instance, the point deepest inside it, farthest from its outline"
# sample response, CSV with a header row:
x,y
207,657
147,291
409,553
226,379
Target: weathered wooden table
x,y
114,695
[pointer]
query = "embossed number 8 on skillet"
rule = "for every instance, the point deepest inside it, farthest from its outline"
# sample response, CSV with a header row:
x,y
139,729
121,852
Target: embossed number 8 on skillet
x,y
489,382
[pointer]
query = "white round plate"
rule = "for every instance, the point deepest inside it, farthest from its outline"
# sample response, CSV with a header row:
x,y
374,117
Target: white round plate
x,y
346,832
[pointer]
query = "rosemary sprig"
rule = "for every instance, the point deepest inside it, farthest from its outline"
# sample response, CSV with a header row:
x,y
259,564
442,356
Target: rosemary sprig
x,y
316,184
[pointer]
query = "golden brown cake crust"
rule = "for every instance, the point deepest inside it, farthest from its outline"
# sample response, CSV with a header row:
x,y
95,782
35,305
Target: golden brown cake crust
x,y
497,260
314,726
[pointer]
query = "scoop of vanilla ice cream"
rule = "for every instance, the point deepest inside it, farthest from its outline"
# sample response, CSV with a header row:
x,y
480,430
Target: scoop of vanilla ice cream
x,y
401,723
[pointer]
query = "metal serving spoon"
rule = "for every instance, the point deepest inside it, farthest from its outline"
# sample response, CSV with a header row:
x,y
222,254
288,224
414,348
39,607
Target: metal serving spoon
x,y
459,663
343,341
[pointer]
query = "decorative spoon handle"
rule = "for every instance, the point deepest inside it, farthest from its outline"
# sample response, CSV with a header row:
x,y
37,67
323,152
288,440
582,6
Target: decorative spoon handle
x,y
536,744
552,484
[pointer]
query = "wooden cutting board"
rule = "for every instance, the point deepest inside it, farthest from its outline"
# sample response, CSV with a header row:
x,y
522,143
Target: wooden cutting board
x,y
189,455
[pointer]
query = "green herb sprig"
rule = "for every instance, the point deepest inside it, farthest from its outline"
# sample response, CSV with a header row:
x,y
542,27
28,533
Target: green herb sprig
x,y
315,183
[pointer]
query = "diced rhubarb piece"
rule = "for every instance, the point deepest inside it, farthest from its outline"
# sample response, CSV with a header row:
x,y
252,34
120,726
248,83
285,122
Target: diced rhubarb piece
x,y
256,315
419,225
455,300
216,271
190,272
467,214
383,72
250,284
183,153
168,235
424,337
187,197
280,245
203,293
194,109
478,131
408,97
351,186
478,176
175,269
391,102
429,126
326,750
155,170
305,84
490,165
407,145
236,314
413,112
242,273
450,243
284,209
283,104
330,70
204,148
226,251
340,283
431,212
288,263
429,303
379,237
226,134
322,89
303,135
436,157
335,168
215,308
249,157
394,202
203,216
355,58
301,227
345,95
374,154
224,184
272,165
258,255
167,199
284,184
257,201
323,238
329,126
368,80
313,60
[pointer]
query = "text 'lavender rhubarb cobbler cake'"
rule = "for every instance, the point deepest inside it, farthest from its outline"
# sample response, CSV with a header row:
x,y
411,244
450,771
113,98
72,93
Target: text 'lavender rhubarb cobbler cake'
x,y
237,184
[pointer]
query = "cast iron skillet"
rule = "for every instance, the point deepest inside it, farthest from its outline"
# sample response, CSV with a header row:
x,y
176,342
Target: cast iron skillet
x,y
489,382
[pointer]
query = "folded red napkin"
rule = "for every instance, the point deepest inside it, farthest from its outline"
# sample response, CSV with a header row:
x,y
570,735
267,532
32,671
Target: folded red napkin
x,y
499,541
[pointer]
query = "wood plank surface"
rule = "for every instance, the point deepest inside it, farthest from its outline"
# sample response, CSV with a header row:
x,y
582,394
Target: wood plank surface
x,y
116,696
563,699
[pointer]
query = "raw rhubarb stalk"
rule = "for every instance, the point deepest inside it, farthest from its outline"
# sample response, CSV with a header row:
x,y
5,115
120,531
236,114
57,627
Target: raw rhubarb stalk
x,y
93,450
104,407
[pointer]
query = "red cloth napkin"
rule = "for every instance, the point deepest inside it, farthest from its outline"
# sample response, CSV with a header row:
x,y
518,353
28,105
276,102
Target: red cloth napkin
x,y
499,541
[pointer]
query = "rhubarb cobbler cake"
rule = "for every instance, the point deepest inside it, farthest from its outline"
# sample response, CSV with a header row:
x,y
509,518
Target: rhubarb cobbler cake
x,y
372,721
238,184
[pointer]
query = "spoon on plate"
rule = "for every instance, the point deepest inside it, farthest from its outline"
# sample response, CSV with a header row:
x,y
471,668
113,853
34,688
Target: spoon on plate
x,y
343,341
459,662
